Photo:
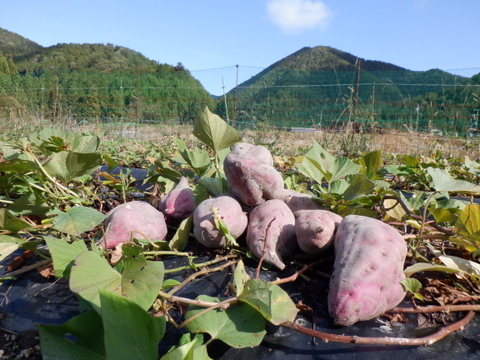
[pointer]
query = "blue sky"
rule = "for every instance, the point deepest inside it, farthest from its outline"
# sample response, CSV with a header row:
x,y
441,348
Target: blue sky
x,y
211,37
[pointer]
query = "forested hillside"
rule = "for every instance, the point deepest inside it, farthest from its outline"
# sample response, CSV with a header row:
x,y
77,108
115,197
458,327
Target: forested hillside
x,y
93,81
313,87
323,86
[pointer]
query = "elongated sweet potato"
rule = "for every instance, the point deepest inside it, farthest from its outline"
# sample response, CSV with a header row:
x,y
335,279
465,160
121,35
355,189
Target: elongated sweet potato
x,y
230,211
271,232
251,175
179,203
315,229
368,268
298,201
135,219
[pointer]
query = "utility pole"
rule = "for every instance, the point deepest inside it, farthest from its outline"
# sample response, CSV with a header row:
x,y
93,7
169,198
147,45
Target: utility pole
x,y
357,85
235,102
225,99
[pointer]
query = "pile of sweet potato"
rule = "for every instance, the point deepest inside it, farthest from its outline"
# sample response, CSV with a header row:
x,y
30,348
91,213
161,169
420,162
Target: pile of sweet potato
x,y
276,222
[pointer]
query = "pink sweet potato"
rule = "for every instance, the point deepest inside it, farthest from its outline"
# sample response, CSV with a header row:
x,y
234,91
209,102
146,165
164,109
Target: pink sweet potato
x,y
271,232
298,201
368,268
135,219
230,211
179,203
315,229
251,175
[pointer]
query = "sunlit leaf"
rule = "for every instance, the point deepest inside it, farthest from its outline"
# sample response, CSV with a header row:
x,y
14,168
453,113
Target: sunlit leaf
x,y
455,262
130,331
238,326
441,181
270,300
67,165
11,223
213,131
409,271
240,277
64,254
78,220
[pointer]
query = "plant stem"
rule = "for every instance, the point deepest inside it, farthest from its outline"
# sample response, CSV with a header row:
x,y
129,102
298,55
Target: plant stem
x,y
427,340
221,305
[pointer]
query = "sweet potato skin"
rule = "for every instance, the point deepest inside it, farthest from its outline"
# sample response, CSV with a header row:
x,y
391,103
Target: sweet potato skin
x,y
179,203
315,229
251,175
368,268
231,213
298,201
134,219
271,232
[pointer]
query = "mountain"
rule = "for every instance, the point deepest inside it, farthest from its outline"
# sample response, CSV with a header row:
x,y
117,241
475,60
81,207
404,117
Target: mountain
x,y
94,81
325,85
12,44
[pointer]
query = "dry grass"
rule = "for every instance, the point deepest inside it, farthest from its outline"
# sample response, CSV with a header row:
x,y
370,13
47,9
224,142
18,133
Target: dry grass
x,y
345,143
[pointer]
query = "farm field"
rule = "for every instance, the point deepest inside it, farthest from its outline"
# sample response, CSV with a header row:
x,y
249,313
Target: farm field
x,y
181,297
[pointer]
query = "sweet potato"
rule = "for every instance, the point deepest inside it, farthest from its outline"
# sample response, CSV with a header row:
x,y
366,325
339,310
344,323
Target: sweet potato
x,y
179,203
298,201
368,268
315,229
135,219
230,211
251,175
271,232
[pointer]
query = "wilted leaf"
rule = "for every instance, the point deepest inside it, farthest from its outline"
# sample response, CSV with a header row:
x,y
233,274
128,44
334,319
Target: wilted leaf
x,y
455,262
180,240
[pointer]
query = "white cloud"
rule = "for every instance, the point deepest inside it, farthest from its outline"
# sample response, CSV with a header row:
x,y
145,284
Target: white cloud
x,y
295,16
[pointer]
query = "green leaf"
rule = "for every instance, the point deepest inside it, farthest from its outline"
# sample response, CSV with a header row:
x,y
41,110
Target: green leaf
x,y
130,332
179,241
64,254
66,165
371,163
270,300
17,166
468,222
198,159
238,326
214,132
6,249
29,203
11,223
411,284
409,271
192,349
80,338
220,225
78,220
441,181
358,186
140,281
240,277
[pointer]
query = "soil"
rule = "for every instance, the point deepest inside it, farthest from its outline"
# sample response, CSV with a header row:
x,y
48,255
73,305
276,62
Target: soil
x,y
24,345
